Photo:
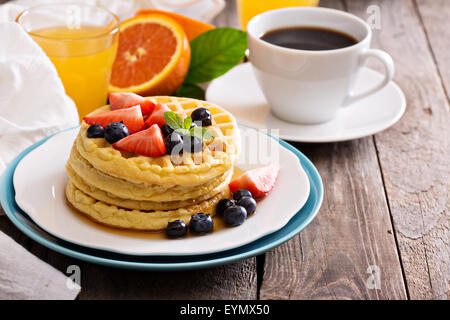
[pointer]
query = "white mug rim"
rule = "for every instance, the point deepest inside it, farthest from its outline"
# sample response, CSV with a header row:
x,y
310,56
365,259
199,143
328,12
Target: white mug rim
x,y
257,38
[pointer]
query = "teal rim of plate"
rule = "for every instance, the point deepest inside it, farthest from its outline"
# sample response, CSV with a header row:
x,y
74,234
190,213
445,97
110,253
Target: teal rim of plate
x,y
163,263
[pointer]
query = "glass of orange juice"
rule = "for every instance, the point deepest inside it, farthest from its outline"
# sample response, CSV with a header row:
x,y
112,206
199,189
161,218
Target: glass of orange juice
x,y
81,40
247,9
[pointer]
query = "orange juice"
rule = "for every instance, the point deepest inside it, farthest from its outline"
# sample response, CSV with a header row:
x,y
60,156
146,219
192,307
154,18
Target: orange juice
x,y
83,58
249,8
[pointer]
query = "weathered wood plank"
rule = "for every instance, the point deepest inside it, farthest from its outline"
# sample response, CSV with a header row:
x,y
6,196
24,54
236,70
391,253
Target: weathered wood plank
x,y
330,258
235,281
415,153
435,15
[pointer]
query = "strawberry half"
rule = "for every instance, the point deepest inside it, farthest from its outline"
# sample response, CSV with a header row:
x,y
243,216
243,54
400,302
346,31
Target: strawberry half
x,y
258,181
121,100
149,142
157,116
131,117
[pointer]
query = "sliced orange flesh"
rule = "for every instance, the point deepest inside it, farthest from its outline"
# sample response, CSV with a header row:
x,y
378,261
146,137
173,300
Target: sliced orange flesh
x,y
152,57
191,27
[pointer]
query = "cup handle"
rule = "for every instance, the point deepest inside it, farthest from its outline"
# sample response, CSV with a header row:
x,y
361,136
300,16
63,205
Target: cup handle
x,y
389,70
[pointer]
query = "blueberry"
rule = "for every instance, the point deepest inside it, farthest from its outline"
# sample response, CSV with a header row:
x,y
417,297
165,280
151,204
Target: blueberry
x,y
242,193
176,229
201,223
166,130
192,144
202,115
223,205
173,140
235,216
116,131
248,203
95,131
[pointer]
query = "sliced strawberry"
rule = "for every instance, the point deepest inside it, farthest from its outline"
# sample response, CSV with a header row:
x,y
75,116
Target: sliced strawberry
x,y
258,181
149,142
121,100
131,117
157,116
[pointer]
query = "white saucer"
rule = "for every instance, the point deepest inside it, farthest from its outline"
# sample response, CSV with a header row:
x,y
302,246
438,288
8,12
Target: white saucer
x,y
239,92
40,180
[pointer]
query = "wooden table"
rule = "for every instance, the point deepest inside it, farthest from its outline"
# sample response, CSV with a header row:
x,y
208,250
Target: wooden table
x,y
386,200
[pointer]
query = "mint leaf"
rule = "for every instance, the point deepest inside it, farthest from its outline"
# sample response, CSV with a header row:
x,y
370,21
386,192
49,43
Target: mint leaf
x,y
173,120
183,128
215,52
188,90
182,132
187,123
207,135
201,133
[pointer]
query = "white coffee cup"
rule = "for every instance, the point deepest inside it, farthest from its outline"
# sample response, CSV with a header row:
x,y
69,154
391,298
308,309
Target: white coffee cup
x,y
310,87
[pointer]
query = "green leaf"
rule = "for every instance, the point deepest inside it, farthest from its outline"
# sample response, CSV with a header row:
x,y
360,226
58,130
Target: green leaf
x,y
173,120
187,90
215,52
182,132
201,133
207,135
187,123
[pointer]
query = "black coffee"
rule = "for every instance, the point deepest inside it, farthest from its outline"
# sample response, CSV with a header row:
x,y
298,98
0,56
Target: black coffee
x,y
309,38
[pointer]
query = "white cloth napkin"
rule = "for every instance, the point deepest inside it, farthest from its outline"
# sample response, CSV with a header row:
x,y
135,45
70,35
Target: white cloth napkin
x,y
33,105
23,276
204,10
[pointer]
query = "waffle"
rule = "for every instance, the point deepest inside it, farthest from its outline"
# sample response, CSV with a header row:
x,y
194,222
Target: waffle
x,y
127,190
217,157
126,203
114,216
139,191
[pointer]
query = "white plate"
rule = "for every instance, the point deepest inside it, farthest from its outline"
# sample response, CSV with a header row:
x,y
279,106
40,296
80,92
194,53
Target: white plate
x,y
40,181
239,92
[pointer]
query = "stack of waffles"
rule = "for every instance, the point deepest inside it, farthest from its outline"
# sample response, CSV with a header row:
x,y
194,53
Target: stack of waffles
x,y
127,190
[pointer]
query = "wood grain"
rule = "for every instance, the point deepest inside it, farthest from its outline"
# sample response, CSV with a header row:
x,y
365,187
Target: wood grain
x,y
330,258
415,153
435,15
353,230
234,281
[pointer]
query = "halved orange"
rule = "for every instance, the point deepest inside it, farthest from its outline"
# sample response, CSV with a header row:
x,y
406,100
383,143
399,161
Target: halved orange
x,y
191,27
152,58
